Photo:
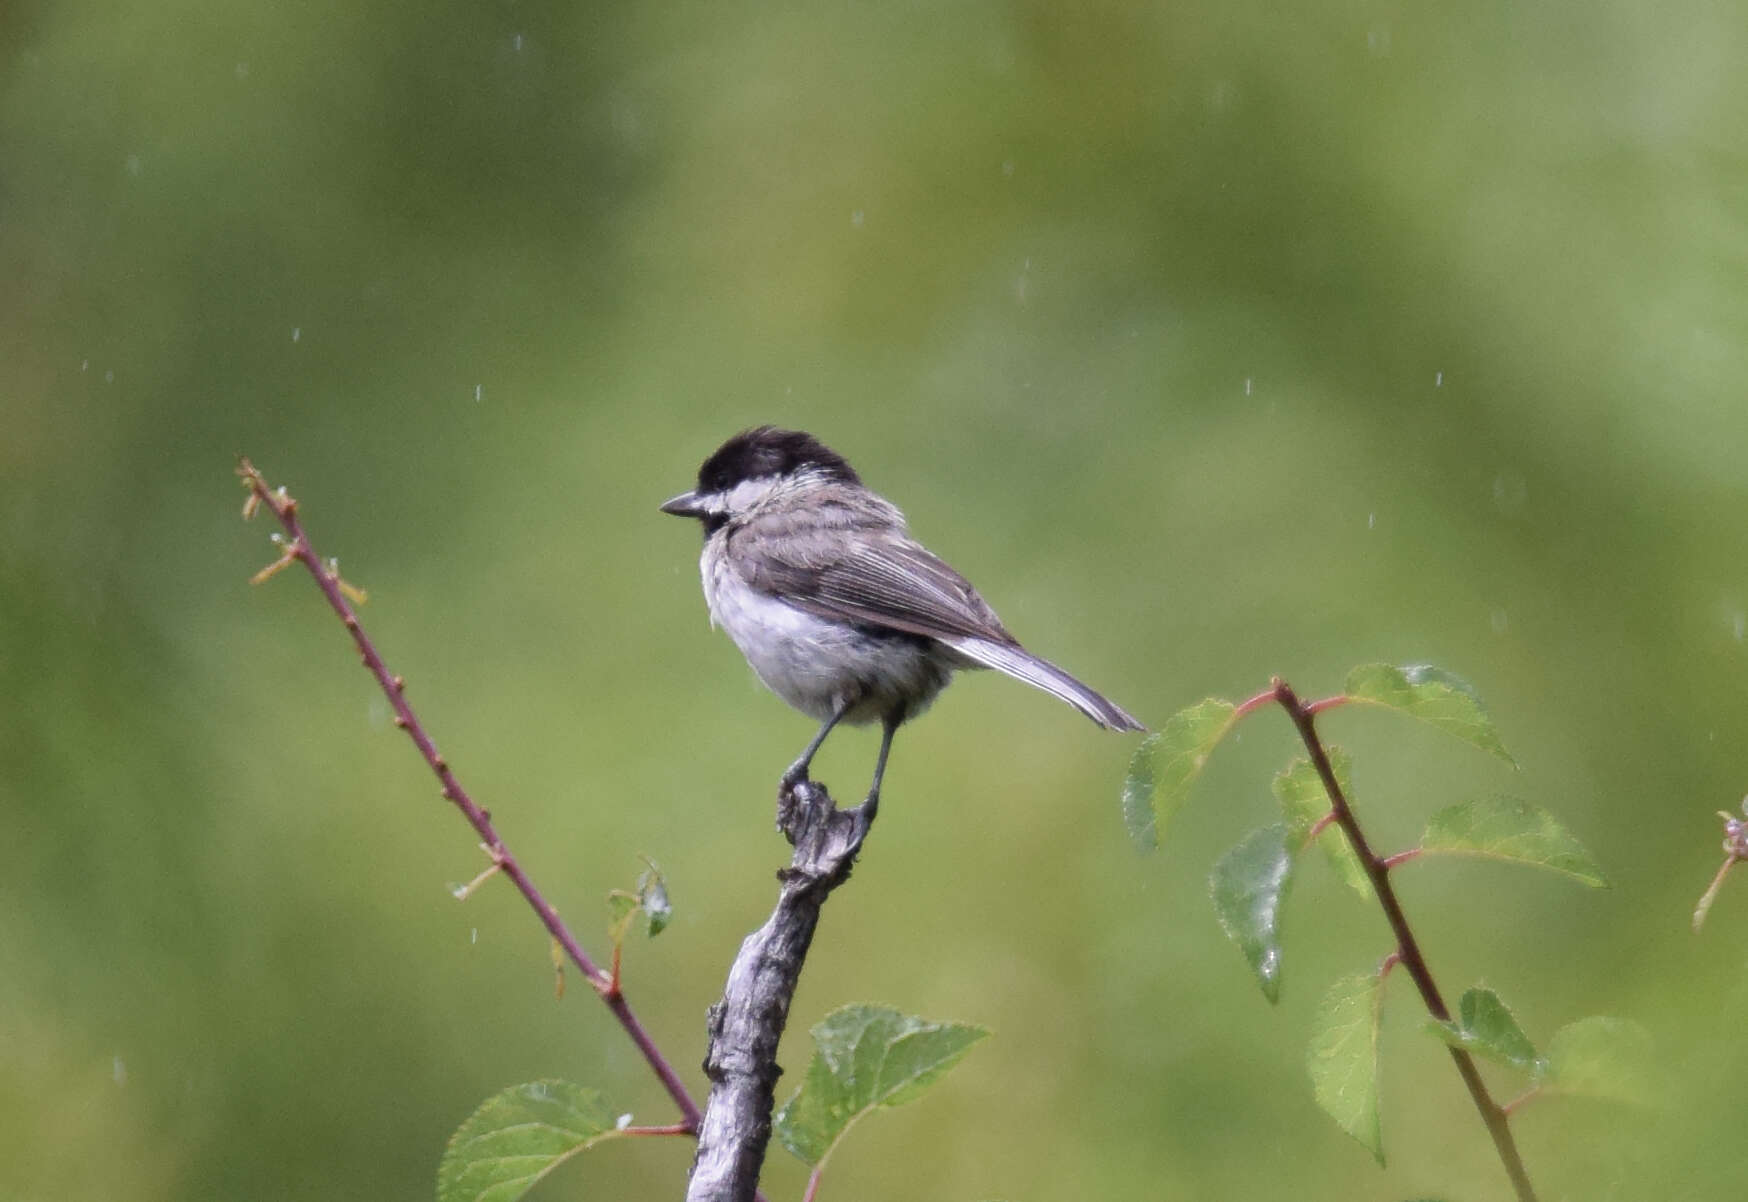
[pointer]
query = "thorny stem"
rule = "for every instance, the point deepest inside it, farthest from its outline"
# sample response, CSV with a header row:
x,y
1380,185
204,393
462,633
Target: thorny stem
x,y
285,509
1493,1115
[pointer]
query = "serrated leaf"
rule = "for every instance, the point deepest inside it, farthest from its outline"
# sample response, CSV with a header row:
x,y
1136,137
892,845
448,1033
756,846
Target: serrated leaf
x,y
1249,887
866,1057
1485,1026
1304,803
1166,765
1598,1057
1431,694
517,1137
1504,828
1343,1057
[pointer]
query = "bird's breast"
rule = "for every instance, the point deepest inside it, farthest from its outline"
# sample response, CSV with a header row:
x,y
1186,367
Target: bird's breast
x,y
816,664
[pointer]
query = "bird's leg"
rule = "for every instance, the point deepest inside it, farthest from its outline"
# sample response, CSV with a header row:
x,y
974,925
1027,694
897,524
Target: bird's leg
x,y
797,772
871,804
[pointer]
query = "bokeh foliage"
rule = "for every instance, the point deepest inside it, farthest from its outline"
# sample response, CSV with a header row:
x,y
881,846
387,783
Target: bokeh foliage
x,y
1212,340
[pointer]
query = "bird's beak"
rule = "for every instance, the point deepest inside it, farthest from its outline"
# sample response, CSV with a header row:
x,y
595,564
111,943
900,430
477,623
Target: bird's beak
x,y
686,505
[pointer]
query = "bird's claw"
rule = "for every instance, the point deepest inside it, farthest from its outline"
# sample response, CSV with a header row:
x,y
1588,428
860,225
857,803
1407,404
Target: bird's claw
x,y
795,794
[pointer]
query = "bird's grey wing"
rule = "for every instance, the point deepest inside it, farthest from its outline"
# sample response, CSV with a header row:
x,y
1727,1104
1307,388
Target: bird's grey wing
x,y
870,577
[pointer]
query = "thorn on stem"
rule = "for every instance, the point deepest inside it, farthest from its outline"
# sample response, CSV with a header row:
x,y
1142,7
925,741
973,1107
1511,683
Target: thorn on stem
x,y
1711,894
400,683
463,892
286,558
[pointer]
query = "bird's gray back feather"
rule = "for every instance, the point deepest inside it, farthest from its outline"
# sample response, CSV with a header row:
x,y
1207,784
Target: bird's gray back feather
x,y
857,563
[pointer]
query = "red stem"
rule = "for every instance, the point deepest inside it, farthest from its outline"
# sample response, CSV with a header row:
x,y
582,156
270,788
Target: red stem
x,y
1318,827
285,509
1493,1115
1251,704
1527,1095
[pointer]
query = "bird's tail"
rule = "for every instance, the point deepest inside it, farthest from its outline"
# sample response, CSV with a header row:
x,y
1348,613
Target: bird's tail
x,y
1021,664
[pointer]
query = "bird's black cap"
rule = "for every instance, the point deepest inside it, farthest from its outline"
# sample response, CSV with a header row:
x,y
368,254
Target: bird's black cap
x,y
768,451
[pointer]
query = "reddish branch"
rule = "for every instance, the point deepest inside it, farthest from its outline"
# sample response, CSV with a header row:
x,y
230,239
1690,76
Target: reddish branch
x,y
298,549
1407,951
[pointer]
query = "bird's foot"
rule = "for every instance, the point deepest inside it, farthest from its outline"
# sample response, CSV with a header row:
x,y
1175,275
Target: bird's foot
x,y
796,795
864,818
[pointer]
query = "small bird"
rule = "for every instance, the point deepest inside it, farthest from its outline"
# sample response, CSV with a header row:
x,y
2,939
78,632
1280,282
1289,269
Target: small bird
x,y
838,610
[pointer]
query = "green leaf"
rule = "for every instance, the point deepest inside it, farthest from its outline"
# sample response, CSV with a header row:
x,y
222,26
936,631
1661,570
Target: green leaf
x,y
621,909
1166,765
1432,695
1609,1058
1343,1057
1485,1026
1249,886
1304,803
519,1136
652,897
650,904
1504,828
866,1057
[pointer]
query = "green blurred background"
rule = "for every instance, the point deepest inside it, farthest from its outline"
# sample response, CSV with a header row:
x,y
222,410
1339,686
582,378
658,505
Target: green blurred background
x,y
1213,340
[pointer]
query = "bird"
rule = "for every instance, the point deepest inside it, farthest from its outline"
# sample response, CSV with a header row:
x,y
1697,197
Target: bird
x,y
839,611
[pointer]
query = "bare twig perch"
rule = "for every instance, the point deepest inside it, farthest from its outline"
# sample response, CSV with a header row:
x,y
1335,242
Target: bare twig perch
x,y
746,1025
